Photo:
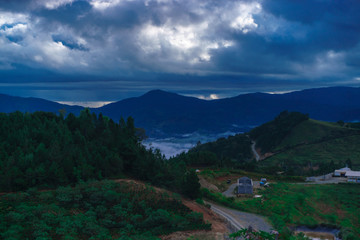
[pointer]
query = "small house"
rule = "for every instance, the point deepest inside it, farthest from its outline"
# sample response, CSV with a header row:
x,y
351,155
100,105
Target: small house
x,y
245,186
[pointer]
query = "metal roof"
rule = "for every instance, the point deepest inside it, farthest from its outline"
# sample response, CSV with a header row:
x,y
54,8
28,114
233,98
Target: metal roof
x,y
343,169
245,185
352,174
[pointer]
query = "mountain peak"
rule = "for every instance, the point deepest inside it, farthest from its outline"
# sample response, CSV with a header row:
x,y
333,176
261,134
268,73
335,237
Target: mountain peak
x,y
158,92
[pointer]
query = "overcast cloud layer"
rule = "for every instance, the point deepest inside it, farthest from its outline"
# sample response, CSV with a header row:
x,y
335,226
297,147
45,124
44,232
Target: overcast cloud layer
x,y
102,50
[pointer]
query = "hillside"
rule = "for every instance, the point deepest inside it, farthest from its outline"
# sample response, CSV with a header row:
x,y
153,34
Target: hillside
x,y
307,147
163,113
224,152
45,150
96,210
291,143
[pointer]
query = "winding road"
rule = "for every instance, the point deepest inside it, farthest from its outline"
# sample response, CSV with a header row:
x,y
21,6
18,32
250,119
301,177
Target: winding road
x,y
257,157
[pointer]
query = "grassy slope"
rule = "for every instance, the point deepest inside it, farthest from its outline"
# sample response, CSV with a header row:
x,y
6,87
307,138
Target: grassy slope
x,y
293,205
315,142
312,130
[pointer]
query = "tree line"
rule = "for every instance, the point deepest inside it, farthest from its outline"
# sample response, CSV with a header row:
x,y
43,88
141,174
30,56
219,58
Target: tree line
x,y
46,150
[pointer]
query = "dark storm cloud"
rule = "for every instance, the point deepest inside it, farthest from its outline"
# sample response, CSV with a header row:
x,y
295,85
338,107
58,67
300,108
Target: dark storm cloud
x,y
112,48
331,24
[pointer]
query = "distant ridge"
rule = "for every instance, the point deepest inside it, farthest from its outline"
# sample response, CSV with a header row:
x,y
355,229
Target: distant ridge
x,y
164,113
11,104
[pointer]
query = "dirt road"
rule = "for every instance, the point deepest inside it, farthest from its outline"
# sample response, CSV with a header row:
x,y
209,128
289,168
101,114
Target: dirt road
x,y
257,156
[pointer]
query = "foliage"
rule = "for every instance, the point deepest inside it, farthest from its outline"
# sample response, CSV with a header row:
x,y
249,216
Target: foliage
x,y
224,152
292,143
191,185
270,135
95,210
353,125
316,158
310,147
45,150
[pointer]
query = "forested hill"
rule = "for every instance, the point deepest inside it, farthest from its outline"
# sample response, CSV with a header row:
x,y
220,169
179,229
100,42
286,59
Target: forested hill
x,y
162,113
291,143
271,134
46,150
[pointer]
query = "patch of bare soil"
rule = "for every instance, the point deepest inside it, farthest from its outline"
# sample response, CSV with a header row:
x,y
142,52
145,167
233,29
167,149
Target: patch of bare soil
x,y
217,224
206,184
266,155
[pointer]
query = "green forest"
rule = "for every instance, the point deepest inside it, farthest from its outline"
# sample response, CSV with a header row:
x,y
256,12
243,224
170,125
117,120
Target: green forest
x,y
95,210
233,151
45,150
271,134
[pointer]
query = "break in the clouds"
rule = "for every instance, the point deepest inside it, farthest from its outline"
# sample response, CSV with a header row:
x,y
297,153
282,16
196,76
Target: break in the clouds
x,y
104,50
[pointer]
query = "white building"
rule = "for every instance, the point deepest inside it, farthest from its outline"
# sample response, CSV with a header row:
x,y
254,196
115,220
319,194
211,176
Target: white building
x,y
341,172
353,176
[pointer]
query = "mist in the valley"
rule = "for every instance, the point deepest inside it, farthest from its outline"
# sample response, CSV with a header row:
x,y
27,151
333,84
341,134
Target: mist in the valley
x,y
182,143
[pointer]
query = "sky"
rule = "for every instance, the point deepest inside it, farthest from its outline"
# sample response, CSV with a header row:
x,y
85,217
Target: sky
x,y
99,51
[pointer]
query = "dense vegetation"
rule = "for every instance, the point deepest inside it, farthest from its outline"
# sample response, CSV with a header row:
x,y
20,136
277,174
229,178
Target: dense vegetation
x,y
271,134
95,210
314,148
233,151
289,205
46,150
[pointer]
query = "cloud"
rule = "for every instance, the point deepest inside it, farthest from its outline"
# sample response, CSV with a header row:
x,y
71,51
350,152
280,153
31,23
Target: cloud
x,y
237,45
91,104
53,4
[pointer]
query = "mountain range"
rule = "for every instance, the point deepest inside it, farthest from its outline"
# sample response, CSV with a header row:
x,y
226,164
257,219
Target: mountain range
x,y
163,113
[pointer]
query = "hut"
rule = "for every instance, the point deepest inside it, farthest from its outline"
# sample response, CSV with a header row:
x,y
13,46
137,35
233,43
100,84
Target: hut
x,y
245,186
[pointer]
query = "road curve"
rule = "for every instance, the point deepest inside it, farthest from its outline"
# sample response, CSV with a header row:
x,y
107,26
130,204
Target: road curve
x,y
240,219
234,223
